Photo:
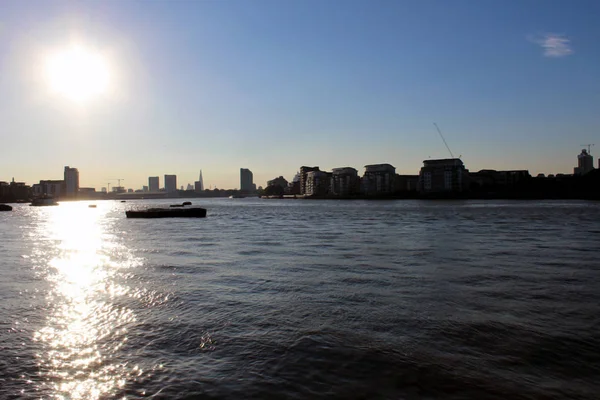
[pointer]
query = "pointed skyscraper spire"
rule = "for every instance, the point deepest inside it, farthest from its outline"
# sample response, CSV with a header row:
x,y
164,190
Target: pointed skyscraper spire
x,y
201,181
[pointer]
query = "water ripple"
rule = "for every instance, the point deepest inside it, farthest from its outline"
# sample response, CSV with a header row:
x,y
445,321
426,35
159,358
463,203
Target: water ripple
x,y
302,299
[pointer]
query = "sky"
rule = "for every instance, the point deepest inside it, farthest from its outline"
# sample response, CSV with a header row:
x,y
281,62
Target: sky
x,y
272,85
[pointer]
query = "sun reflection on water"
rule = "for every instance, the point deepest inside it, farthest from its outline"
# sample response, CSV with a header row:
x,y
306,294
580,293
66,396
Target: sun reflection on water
x,y
88,322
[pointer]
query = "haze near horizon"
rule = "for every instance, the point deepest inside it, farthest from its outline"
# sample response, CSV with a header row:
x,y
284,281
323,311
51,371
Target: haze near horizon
x,y
136,89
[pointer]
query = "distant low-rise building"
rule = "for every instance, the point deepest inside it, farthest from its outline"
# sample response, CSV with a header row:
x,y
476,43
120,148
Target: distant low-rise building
x,y
345,181
503,179
406,183
276,187
444,175
49,188
87,193
279,181
378,179
14,191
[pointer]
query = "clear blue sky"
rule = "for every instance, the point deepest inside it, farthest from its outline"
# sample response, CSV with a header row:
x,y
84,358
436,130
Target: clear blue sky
x,y
273,85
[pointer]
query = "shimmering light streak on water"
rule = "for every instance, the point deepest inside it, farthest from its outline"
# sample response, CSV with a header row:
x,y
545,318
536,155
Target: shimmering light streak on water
x,y
302,300
85,325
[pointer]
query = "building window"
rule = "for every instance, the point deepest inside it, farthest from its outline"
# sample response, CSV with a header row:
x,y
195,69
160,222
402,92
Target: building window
x,y
448,180
427,180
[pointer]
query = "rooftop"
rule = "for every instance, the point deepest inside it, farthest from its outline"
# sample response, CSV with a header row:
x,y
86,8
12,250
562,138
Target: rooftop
x,y
444,161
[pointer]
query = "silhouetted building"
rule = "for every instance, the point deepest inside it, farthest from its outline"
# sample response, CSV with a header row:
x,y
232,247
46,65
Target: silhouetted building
x,y
280,181
14,191
276,187
345,181
246,180
294,185
406,183
87,190
318,183
144,188
153,184
170,183
119,189
503,179
199,184
303,173
71,177
585,163
445,175
50,188
378,179
4,188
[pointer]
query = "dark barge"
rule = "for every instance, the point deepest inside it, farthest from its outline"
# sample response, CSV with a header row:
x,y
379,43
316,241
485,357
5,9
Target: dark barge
x,y
195,212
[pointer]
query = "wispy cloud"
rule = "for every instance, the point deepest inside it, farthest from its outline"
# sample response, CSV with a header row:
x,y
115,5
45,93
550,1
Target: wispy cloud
x,y
554,45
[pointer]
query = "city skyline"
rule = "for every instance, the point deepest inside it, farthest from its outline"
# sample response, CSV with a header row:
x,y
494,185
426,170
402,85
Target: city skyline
x,y
511,85
584,164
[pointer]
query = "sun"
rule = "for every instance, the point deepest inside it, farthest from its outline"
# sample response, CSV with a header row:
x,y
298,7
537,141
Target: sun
x,y
77,73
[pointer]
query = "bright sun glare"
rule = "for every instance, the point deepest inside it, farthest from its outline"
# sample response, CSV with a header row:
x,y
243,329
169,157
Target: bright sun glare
x,y
77,73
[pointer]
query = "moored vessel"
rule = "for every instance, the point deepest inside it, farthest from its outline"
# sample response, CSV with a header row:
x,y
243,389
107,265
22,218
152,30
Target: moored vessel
x,y
195,212
43,201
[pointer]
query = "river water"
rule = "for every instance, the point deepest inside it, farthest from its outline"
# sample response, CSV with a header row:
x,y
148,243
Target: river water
x,y
302,299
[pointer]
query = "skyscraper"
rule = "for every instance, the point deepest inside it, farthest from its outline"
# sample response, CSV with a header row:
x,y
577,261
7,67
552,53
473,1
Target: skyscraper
x,y
246,180
170,183
585,163
153,184
199,184
71,181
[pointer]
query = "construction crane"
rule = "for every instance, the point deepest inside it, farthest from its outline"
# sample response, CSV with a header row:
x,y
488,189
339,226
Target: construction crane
x,y
113,179
118,180
442,136
589,146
